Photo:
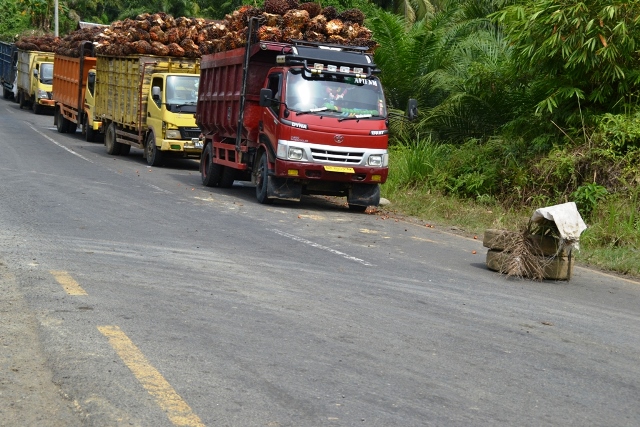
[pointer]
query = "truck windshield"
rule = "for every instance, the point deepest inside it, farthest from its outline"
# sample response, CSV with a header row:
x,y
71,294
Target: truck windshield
x,y
335,95
182,93
46,73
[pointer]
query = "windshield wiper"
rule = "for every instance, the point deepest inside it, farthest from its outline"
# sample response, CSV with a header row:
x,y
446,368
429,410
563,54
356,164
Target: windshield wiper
x,y
312,110
360,116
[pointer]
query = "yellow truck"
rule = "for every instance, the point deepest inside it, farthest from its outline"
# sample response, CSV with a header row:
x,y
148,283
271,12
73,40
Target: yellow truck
x,y
35,79
148,102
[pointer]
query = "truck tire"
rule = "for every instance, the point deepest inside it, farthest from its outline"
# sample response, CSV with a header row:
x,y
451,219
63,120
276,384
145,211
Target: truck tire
x,y
363,195
6,93
21,100
262,180
357,208
113,146
154,156
37,108
87,131
210,172
62,124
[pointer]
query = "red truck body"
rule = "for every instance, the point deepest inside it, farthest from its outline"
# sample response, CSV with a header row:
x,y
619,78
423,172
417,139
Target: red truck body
x,y
293,142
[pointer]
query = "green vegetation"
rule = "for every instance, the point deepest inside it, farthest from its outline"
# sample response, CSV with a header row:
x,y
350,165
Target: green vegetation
x,y
523,104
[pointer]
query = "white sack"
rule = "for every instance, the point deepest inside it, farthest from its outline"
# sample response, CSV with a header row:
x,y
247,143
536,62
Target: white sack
x,y
567,220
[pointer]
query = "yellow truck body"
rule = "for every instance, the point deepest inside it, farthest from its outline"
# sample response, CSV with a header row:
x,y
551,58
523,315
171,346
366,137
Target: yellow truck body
x,y
35,78
132,115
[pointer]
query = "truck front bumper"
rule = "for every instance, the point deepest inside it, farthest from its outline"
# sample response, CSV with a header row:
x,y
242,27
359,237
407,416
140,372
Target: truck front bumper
x,y
191,146
335,173
46,102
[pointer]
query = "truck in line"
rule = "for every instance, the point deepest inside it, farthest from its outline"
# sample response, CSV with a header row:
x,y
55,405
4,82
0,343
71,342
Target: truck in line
x,y
73,93
8,68
35,79
148,102
295,118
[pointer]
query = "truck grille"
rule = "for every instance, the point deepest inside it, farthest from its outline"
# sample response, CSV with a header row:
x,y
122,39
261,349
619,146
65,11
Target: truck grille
x,y
353,157
188,133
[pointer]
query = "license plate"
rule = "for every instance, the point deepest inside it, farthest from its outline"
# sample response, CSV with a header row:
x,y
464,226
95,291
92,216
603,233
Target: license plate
x,y
196,142
339,169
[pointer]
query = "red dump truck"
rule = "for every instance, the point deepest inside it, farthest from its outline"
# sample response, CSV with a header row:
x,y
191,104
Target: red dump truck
x,y
73,90
294,118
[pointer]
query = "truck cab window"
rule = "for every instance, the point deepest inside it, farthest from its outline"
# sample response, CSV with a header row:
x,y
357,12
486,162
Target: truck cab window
x,y
275,83
46,73
158,82
91,82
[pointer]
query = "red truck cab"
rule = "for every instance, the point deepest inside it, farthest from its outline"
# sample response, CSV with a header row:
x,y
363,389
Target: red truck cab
x,y
299,118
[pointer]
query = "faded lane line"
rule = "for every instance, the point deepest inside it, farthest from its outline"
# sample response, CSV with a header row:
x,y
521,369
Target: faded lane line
x,y
60,145
177,410
319,246
70,286
422,239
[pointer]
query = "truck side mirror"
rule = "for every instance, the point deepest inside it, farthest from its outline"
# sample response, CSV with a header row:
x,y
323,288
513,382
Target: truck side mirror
x,y
155,93
265,97
35,73
412,109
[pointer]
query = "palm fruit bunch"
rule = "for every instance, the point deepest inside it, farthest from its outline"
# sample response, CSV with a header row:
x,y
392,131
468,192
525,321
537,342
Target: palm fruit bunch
x,y
158,34
285,20
46,43
70,45
279,21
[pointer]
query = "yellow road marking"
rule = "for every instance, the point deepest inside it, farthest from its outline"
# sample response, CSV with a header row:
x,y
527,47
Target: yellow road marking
x,y
69,285
177,410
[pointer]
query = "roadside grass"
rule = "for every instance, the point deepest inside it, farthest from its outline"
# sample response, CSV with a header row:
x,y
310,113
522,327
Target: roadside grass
x,y
611,241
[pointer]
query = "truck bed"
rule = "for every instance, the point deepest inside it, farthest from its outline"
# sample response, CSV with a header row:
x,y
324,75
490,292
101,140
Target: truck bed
x,y
120,81
67,87
220,91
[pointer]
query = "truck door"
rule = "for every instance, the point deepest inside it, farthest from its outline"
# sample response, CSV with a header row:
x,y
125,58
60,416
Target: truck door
x,y
154,108
271,114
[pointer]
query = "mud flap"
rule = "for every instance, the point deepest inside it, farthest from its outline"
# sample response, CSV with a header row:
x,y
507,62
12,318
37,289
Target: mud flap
x,y
282,188
364,195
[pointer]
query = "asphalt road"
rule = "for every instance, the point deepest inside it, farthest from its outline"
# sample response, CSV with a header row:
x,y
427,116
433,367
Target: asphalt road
x,y
134,296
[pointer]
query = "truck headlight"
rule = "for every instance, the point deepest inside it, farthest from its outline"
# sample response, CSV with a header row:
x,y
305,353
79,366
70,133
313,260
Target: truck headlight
x,y
375,160
172,134
42,94
295,153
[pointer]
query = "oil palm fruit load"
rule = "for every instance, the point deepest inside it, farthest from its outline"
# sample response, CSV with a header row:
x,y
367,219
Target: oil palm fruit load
x,y
46,43
280,20
70,45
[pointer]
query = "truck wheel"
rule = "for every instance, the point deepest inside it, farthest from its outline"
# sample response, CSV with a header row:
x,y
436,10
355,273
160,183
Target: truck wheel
x,y
37,108
210,172
113,146
62,124
21,100
6,94
262,177
357,208
88,132
154,156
